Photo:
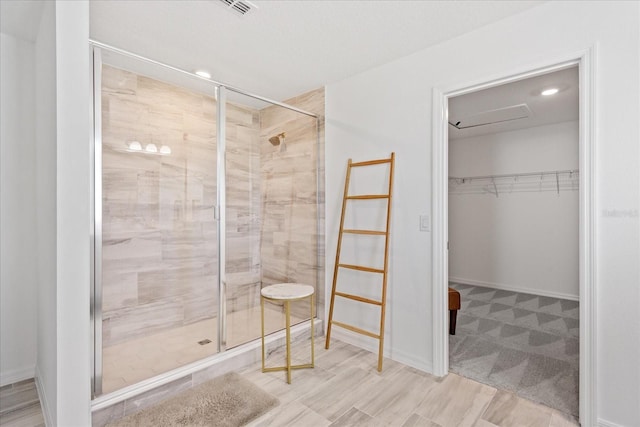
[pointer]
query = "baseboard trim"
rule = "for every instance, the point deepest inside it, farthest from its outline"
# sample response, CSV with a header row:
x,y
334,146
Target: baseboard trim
x,y
514,288
17,375
44,403
605,423
371,345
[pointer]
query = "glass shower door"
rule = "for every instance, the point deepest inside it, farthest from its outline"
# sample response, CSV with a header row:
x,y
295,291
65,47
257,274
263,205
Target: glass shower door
x,y
159,243
270,212
202,197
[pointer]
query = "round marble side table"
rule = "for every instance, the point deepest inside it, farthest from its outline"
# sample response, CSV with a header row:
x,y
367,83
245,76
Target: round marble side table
x,y
287,292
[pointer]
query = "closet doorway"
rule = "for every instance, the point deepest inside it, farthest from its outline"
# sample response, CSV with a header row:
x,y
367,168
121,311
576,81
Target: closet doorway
x,y
513,237
513,233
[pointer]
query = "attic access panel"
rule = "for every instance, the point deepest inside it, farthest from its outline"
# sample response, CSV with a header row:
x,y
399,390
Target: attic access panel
x,y
499,115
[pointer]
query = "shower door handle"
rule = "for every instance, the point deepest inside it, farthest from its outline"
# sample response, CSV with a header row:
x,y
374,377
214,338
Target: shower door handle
x,y
222,317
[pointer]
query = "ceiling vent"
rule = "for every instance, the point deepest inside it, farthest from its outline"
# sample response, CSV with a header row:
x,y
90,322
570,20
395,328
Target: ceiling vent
x,y
500,115
241,7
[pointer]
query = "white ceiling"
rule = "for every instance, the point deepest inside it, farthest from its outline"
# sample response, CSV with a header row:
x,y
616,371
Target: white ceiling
x,y
561,107
287,47
283,48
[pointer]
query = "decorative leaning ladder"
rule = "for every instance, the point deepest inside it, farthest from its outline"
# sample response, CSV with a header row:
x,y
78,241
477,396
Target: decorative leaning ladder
x,y
383,271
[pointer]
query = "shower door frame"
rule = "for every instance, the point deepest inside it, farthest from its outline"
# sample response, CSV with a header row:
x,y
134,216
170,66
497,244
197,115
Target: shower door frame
x,y
96,314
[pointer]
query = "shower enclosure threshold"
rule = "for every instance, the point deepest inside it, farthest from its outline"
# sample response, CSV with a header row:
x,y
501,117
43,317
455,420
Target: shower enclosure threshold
x,y
210,367
143,357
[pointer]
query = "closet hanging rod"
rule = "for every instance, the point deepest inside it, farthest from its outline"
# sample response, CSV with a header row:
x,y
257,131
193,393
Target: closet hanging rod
x,y
515,175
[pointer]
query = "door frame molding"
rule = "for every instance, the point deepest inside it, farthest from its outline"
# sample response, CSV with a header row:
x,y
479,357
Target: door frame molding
x,y
586,61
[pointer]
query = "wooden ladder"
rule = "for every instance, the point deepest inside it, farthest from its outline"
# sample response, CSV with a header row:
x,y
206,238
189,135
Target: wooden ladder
x,y
383,271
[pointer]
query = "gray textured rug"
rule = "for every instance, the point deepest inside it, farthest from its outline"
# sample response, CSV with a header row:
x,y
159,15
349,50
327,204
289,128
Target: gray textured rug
x,y
527,344
226,401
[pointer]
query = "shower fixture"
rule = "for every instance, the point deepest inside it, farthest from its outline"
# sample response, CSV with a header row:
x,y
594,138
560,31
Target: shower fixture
x,y
275,140
278,140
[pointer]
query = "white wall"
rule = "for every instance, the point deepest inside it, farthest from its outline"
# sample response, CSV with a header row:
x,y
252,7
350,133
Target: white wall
x,y
73,122
389,109
18,205
48,203
524,241
45,84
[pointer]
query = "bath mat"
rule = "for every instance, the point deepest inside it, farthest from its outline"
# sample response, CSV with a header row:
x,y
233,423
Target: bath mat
x,y
226,401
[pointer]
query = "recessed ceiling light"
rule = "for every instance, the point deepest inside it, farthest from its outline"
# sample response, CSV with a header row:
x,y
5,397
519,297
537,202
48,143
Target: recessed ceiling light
x,y
203,73
549,92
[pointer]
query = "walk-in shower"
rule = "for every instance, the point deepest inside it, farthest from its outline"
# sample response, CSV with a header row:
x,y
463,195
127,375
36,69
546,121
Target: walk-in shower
x,y
194,213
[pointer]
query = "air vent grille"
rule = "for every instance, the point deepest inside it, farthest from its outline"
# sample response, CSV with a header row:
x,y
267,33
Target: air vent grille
x,y
238,6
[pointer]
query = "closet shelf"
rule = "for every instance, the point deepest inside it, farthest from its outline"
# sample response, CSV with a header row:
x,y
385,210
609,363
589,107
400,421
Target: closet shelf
x,y
516,175
560,180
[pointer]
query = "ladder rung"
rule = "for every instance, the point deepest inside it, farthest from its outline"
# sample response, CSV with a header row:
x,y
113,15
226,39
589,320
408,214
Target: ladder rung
x,y
354,329
369,196
374,232
371,162
361,268
358,298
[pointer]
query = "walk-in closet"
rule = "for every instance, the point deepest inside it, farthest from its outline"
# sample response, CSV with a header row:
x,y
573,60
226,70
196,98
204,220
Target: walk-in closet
x,y
514,237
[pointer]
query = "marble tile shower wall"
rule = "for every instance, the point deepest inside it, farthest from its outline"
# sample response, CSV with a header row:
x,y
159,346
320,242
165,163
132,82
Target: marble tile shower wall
x,y
292,249
243,208
159,233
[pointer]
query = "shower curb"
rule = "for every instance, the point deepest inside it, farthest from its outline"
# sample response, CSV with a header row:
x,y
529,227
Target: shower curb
x,y
129,400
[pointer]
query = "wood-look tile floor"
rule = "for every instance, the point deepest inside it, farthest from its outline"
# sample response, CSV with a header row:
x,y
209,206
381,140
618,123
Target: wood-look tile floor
x,y
345,389
20,406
